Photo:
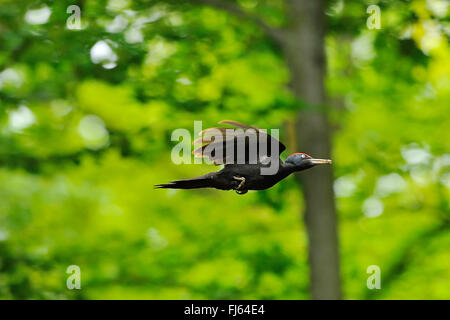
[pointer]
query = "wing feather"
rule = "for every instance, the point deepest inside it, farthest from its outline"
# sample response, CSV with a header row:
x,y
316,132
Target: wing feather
x,y
214,140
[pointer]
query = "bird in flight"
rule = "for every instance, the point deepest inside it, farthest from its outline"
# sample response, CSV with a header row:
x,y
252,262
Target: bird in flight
x,y
245,153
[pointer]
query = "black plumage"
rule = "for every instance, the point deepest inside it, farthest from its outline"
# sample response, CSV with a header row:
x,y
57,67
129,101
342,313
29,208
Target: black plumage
x,y
246,153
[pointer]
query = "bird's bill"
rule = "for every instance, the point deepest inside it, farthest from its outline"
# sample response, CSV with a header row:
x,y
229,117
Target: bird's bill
x,y
320,161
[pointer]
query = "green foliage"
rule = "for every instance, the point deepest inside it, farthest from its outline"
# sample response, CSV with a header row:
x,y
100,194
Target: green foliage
x,y
83,143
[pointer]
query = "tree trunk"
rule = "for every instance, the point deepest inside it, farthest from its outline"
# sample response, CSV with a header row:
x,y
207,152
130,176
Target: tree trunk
x,y
303,46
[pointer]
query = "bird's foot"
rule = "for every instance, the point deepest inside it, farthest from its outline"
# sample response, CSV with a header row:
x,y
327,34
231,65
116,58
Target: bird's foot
x,y
241,184
242,180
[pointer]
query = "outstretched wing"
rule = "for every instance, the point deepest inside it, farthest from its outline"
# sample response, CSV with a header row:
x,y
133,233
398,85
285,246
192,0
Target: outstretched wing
x,y
243,144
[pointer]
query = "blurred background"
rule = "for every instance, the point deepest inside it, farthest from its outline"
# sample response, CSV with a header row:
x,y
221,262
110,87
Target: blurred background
x,y
88,104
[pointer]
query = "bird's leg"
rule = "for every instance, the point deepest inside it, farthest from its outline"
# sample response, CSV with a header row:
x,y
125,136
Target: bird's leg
x,y
241,179
241,184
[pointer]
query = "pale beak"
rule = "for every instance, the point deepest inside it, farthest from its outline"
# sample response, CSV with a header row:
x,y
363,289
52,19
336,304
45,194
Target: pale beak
x,y
320,161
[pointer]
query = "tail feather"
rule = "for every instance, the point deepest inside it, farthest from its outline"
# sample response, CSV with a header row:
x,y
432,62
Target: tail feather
x,y
205,181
